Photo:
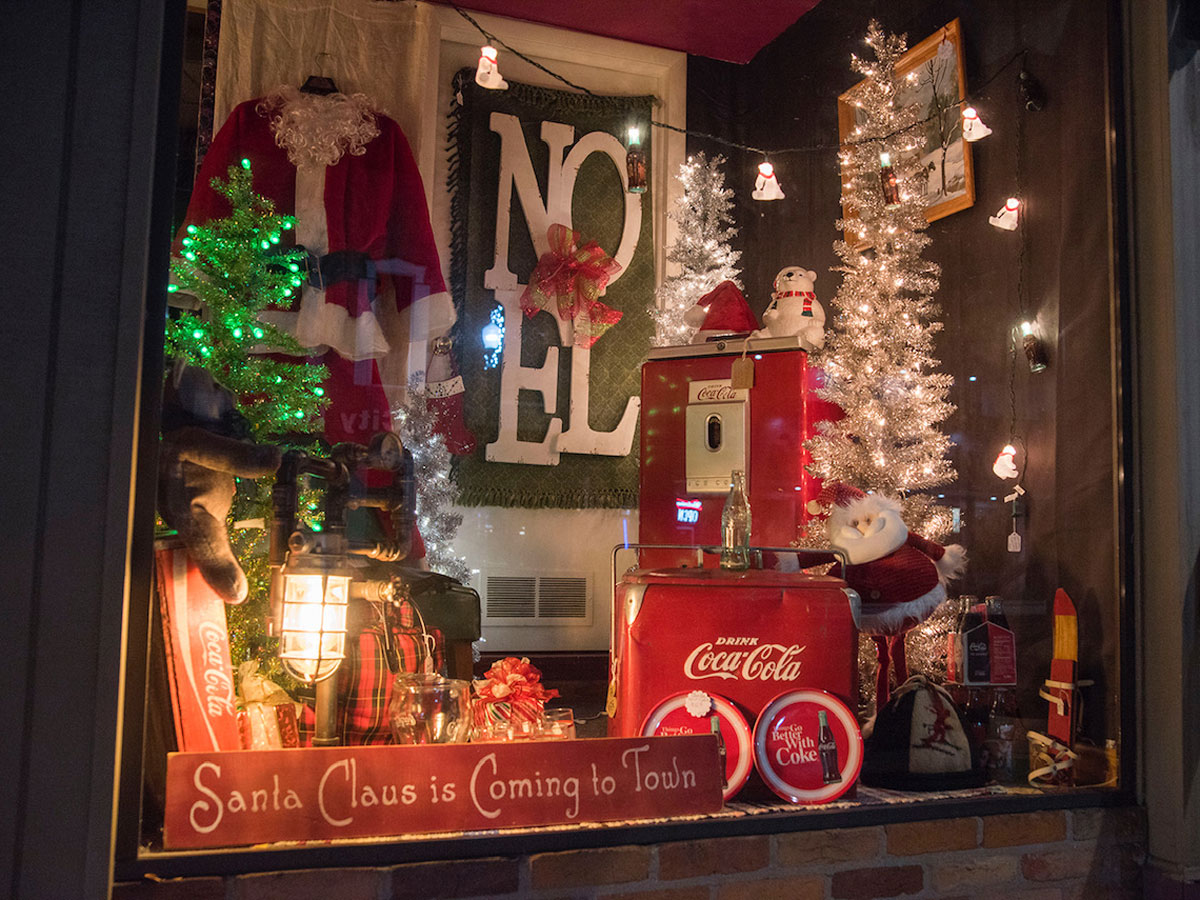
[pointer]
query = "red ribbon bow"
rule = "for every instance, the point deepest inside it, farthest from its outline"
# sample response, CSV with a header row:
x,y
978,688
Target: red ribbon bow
x,y
573,278
513,680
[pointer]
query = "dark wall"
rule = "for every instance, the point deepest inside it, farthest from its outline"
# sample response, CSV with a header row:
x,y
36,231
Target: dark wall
x,y
787,97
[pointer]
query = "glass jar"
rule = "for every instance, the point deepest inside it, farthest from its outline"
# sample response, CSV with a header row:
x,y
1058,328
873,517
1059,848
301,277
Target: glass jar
x,y
430,709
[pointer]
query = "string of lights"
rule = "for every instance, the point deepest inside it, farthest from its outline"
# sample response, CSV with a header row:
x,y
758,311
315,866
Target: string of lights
x,y
966,103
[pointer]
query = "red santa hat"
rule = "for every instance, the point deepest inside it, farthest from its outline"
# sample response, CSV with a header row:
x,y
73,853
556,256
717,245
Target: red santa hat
x,y
834,493
728,311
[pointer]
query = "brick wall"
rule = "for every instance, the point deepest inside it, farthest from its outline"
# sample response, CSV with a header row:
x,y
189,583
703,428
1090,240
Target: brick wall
x,y
1054,855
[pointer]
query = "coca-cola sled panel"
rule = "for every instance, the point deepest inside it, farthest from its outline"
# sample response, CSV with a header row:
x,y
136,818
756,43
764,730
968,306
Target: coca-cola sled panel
x,y
744,635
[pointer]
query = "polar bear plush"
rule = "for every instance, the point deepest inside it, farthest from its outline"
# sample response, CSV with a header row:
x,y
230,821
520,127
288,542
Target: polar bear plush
x,y
794,310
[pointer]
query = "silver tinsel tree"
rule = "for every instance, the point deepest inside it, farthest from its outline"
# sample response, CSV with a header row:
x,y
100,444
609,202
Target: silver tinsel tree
x,y
878,361
701,249
436,494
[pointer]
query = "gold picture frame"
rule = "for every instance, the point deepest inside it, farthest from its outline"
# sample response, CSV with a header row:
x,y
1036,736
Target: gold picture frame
x,y
941,88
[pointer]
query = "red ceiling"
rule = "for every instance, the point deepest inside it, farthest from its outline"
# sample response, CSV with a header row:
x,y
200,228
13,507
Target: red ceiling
x,y
731,30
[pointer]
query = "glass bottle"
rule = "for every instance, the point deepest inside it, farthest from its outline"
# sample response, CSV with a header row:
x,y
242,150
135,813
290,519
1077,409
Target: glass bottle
x,y
715,726
995,611
976,659
635,168
956,660
1007,747
827,749
887,179
735,525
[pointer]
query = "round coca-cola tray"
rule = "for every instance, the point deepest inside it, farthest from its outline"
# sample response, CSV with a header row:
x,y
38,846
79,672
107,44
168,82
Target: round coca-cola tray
x,y
802,760
677,714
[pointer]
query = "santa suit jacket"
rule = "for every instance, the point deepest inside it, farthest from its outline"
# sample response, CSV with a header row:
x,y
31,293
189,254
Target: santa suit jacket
x,y
372,205
900,589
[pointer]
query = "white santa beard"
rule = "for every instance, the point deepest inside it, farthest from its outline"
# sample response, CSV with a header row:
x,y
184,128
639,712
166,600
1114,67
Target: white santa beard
x,y
889,537
316,131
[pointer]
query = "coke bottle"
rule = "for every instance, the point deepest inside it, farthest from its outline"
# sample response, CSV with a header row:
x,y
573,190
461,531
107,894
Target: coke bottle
x,y
735,525
975,647
955,653
827,750
715,725
995,611
1007,747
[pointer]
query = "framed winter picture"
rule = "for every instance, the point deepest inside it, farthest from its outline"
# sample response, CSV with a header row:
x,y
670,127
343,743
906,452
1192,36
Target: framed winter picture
x,y
931,75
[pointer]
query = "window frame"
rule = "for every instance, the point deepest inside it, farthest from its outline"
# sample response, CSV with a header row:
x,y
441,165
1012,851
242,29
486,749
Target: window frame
x,y
131,862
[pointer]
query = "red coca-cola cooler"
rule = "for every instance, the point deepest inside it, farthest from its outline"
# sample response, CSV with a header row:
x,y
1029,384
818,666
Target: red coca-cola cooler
x,y
697,427
746,636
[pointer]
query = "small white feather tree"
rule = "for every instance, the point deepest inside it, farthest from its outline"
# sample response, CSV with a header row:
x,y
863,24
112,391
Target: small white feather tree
x,y
701,249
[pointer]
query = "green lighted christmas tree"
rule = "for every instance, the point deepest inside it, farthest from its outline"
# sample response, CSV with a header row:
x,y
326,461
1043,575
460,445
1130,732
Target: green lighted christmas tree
x,y
235,267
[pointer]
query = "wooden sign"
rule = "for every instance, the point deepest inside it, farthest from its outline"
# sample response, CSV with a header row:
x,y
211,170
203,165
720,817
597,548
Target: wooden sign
x,y
257,796
197,644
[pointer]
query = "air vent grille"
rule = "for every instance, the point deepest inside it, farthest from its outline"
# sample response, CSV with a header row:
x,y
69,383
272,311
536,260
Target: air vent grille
x,y
562,598
511,597
556,598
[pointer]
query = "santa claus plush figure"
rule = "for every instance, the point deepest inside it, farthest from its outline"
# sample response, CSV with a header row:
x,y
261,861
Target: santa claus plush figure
x,y
900,576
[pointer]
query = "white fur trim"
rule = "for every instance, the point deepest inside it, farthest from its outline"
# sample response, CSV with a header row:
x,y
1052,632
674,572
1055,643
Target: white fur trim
x,y
321,324
312,225
436,390
888,621
430,316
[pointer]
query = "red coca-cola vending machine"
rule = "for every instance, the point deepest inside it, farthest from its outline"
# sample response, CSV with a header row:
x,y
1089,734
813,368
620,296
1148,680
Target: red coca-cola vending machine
x,y
697,428
682,631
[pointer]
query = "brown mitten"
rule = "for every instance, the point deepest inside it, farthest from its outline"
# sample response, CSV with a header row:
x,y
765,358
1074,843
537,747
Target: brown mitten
x,y
196,490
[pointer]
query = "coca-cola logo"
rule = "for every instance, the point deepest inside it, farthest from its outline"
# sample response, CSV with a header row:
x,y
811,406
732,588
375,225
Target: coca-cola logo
x,y
759,662
218,684
716,392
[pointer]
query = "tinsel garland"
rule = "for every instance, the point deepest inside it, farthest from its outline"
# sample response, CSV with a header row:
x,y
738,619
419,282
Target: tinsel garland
x,y
436,491
701,248
878,361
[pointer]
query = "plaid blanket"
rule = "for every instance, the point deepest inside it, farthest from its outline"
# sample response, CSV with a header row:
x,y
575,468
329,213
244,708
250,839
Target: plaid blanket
x,y
365,680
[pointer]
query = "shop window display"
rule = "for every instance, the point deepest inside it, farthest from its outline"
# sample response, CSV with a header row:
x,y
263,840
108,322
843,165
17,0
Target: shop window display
x,y
406,437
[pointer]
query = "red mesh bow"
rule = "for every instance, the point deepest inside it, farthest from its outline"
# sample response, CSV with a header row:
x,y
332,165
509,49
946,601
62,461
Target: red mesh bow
x,y
513,680
573,278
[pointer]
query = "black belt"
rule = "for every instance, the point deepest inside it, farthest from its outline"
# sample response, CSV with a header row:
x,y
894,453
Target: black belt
x,y
339,266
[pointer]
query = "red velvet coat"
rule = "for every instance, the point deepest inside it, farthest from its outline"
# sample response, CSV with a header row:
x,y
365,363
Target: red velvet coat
x,y
898,590
375,204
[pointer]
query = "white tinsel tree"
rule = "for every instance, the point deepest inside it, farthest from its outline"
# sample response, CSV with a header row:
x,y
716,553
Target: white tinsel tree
x,y
701,249
878,360
436,493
